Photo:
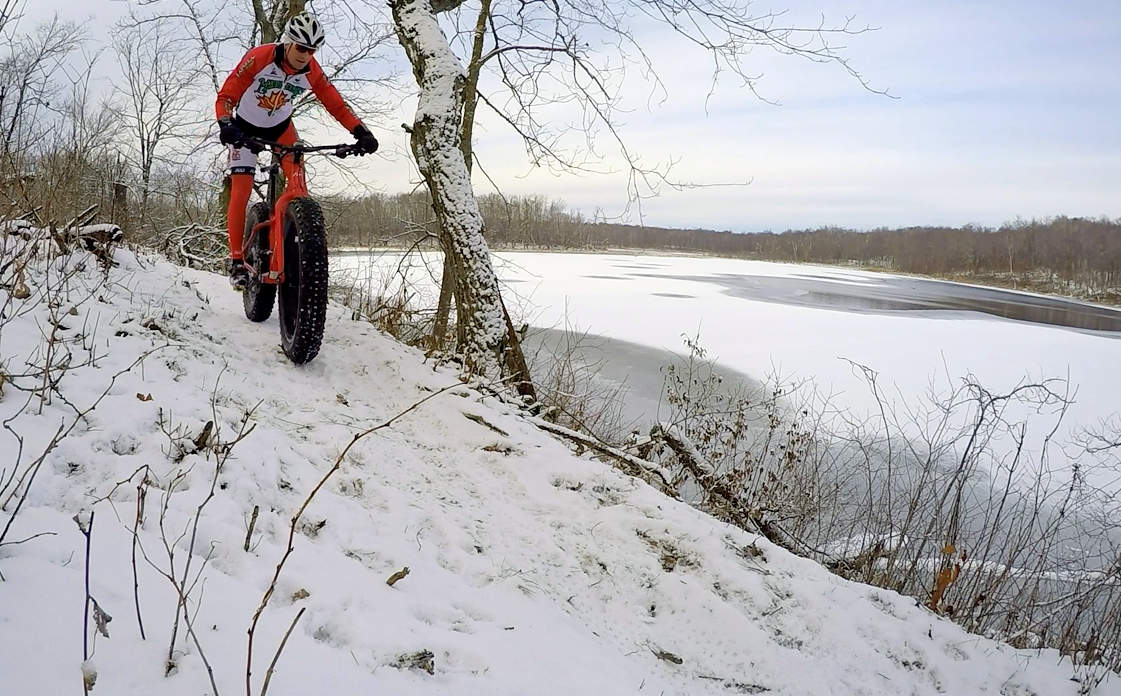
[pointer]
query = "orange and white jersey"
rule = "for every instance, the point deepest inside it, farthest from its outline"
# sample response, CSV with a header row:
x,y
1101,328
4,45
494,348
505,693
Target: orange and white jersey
x,y
262,90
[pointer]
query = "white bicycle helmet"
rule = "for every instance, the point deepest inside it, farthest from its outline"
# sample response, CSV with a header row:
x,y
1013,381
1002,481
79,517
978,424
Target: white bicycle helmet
x,y
305,30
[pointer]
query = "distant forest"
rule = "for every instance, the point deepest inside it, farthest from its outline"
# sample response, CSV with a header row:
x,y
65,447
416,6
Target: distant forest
x,y
1073,256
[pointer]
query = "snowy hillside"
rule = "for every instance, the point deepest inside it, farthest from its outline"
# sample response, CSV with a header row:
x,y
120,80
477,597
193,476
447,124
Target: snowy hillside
x,y
531,570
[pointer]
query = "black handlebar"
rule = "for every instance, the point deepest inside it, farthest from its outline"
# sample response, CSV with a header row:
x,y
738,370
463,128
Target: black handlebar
x,y
344,150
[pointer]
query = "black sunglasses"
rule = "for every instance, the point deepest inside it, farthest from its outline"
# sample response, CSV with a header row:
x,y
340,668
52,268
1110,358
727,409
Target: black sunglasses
x,y
304,49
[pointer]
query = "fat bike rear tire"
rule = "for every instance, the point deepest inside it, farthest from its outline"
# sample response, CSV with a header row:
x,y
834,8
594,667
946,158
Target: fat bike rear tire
x,y
303,294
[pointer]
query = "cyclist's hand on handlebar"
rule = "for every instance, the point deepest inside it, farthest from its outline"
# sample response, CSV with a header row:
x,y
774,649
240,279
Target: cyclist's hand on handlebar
x,y
253,145
367,144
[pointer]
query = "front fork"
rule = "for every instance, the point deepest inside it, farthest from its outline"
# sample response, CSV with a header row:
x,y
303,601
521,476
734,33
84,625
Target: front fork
x,y
295,187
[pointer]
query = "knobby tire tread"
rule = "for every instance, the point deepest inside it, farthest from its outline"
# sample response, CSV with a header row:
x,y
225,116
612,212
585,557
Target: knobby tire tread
x,y
258,297
304,220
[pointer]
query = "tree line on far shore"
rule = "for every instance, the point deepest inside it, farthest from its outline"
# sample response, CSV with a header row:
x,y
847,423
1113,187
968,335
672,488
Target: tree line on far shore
x,y
1080,256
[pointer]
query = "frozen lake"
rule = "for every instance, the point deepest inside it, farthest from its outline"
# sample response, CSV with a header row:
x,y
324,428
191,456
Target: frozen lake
x,y
803,322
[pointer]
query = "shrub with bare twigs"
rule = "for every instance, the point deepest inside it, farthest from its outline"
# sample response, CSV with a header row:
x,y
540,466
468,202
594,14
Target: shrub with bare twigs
x,y
969,503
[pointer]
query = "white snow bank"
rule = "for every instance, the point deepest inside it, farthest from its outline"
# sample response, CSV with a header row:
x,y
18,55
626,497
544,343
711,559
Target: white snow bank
x,y
532,571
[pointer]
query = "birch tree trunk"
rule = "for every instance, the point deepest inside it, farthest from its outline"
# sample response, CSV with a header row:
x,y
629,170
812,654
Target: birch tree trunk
x,y
470,99
435,142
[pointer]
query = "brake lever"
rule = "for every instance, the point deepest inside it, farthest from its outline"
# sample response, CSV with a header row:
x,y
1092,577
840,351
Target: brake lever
x,y
348,150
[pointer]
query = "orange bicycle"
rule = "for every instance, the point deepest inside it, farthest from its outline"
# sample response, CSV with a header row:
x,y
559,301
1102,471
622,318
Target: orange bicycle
x,y
285,248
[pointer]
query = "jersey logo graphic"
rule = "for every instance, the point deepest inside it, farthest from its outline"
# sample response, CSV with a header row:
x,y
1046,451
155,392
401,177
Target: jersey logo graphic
x,y
273,95
272,101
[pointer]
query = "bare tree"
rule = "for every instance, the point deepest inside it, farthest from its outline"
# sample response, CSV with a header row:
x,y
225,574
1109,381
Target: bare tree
x,y
159,92
30,84
9,15
54,133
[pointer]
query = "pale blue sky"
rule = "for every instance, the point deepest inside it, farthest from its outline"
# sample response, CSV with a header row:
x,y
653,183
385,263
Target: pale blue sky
x,y
1003,109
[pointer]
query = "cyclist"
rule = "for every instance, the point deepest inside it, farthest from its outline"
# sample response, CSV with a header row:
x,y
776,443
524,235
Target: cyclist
x,y
256,102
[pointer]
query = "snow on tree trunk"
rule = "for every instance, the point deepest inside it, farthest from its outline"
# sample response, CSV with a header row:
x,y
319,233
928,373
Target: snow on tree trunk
x,y
435,142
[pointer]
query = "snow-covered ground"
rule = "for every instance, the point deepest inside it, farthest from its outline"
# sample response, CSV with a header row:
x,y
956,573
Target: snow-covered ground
x,y
532,570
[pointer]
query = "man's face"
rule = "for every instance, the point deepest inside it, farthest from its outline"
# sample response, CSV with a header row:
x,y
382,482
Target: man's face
x,y
298,56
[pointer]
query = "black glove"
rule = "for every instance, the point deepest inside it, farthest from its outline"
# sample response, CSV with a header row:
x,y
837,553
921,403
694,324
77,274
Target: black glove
x,y
230,133
367,143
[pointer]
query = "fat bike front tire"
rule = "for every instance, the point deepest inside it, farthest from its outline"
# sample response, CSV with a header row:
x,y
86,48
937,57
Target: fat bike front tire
x,y
303,294
258,297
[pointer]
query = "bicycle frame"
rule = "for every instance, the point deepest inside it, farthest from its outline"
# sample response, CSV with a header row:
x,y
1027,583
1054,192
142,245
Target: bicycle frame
x,y
295,187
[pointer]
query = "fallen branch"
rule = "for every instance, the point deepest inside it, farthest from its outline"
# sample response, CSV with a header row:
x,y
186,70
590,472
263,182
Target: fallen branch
x,y
686,451
82,217
632,465
252,523
723,501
